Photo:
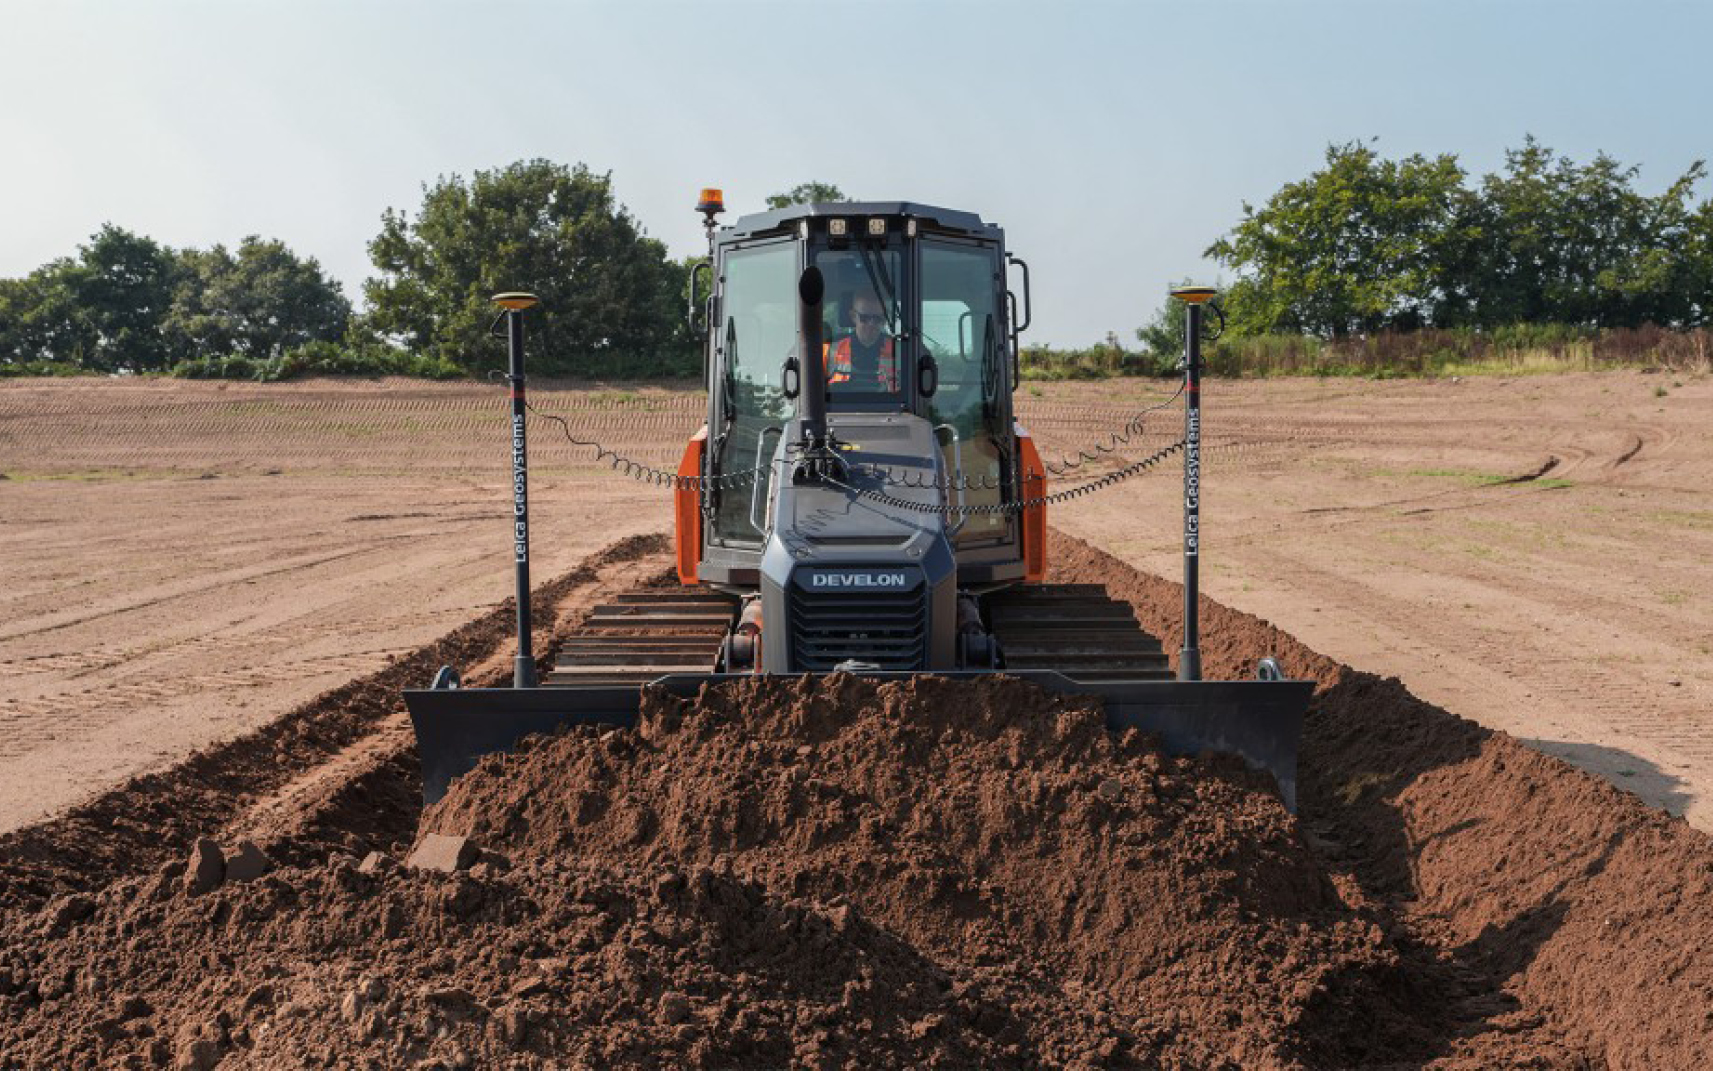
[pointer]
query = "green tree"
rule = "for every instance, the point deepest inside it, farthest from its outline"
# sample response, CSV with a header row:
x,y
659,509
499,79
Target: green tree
x,y
808,193
1698,265
610,297
1575,244
260,304
1162,337
1356,246
40,319
120,290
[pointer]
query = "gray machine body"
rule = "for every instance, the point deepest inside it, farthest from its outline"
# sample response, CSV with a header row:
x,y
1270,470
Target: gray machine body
x,y
854,578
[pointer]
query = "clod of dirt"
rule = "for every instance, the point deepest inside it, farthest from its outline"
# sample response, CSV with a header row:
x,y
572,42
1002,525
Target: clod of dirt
x,y
206,868
247,862
375,863
445,854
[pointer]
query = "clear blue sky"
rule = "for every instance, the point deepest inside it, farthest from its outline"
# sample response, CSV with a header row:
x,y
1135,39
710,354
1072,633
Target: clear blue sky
x,y
1113,141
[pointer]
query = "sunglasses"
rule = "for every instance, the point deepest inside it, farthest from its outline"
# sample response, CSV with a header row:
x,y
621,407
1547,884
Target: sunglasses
x,y
869,317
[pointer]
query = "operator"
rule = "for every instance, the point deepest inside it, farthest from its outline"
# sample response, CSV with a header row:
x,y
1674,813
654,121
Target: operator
x,y
865,358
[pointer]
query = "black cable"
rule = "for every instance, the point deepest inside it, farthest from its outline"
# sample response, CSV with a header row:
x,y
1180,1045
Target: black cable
x,y
1097,484
645,473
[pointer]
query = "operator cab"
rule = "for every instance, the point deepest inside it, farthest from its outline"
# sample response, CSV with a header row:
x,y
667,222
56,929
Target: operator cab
x,y
916,320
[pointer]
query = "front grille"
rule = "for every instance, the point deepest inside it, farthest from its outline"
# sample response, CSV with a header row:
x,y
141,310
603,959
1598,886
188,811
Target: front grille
x,y
887,628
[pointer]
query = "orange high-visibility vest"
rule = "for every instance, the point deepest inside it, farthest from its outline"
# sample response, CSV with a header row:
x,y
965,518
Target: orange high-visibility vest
x,y
839,365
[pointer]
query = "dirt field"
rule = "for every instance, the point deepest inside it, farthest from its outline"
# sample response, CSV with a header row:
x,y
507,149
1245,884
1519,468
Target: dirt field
x,y
183,562
213,606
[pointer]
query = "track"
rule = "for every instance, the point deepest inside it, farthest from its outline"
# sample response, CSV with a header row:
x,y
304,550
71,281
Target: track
x,y
1075,629
644,634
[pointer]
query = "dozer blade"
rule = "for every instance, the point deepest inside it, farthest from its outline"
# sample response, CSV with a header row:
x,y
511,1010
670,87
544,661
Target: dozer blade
x,y
1257,720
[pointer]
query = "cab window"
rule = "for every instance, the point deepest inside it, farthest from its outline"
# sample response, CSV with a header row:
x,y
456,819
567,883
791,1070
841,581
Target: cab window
x,y
759,332
861,327
961,329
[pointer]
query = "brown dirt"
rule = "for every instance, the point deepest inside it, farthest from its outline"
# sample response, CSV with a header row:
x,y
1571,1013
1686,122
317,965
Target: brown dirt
x,y
939,879
182,563
1561,918
348,752
788,874
1394,526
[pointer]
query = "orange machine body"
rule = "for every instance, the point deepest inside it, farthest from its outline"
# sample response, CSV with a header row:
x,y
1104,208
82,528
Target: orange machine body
x,y
1034,529
687,508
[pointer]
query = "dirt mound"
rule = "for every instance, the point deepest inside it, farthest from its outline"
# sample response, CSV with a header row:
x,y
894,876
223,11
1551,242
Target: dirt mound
x,y
988,825
546,965
796,874
851,873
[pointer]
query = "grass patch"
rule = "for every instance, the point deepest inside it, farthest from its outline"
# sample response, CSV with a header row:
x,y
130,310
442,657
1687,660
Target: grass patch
x,y
1683,518
1466,477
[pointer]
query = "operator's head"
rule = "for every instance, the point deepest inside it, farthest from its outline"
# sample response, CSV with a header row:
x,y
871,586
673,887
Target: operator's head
x,y
867,317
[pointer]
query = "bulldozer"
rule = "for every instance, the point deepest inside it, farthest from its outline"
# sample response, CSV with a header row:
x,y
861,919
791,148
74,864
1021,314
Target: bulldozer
x,y
861,500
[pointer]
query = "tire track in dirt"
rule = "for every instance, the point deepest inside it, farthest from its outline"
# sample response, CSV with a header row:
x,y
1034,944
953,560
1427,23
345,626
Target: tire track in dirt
x,y
1520,680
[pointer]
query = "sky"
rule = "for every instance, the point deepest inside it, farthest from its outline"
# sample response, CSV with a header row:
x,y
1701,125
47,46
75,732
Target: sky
x,y
1113,141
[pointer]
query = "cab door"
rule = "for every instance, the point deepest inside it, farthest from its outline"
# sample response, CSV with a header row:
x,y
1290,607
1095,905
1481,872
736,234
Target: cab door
x,y
756,331
963,331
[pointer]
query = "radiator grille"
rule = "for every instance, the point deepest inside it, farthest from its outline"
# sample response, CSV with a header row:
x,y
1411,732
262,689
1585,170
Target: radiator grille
x,y
887,628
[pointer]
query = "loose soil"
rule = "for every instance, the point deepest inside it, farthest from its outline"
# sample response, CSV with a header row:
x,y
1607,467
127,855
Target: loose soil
x,y
182,562
214,595
921,874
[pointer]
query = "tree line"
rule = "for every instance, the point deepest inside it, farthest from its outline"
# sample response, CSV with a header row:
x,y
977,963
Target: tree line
x,y
1368,244
612,298
1360,247
126,303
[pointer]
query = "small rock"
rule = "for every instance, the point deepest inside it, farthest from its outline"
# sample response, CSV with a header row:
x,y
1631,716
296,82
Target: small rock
x,y
926,1025
372,987
248,862
514,1024
445,854
674,1008
1111,790
351,1008
74,908
127,1006
206,868
376,863
376,1023
449,995
198,1054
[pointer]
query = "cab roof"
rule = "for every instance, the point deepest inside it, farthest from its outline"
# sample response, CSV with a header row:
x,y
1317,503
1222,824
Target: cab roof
x,y
943,219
